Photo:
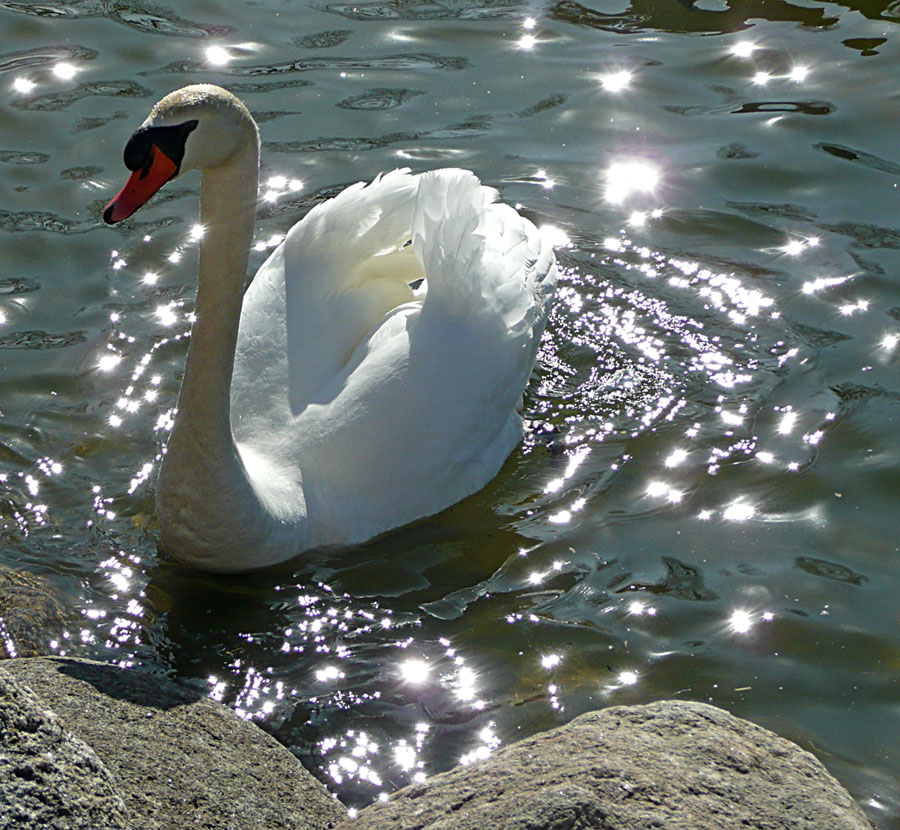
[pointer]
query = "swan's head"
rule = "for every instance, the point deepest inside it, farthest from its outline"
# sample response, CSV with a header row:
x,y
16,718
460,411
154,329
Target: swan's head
x,y
196,127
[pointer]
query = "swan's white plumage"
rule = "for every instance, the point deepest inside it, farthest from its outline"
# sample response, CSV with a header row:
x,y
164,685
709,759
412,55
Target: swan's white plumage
x,y
330,402
391,408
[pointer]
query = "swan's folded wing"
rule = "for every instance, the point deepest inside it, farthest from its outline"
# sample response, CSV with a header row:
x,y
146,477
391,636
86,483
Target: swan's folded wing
x,y
422,411
362,222
337,273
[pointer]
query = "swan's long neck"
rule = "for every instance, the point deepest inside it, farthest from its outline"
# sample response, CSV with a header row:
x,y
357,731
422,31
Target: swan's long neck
x,y
209,513
227,215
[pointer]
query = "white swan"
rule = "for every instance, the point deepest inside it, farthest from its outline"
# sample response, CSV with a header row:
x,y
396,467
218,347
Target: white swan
x,y
328,403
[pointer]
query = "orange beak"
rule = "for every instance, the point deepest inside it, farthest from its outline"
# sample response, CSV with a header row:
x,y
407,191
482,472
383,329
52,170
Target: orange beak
x,y
140,186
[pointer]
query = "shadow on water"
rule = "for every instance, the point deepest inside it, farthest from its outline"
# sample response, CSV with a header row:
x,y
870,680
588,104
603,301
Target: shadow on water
x,y
687,16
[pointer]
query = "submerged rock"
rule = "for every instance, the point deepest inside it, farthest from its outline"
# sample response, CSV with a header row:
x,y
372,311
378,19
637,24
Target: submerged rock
x,y
177,758
49,779
29,614
668,764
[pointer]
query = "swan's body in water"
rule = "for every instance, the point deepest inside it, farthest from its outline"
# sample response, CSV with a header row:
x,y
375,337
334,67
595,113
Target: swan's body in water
x,y
329,403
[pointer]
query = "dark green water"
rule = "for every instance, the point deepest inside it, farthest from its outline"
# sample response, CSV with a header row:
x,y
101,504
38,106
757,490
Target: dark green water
x,y
706,504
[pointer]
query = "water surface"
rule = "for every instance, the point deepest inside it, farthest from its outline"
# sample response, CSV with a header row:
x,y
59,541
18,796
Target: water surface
x,y
704,506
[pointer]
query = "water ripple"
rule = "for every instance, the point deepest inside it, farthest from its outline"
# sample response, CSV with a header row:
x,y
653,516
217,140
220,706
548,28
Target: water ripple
x,y
60,100
379,99
785,211
578,15
410,62
35,339
262,116
468,129
145,18
755,107
819,338
803,107
302,203
829,570
38,55
681,580
866,235
322,40
735,151
544,104
478,10
239,89
22,157
18,285
860,157
77,174
83,124
38,220
849,392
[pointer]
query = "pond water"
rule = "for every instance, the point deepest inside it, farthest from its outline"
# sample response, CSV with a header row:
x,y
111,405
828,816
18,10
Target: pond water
x,y
705,505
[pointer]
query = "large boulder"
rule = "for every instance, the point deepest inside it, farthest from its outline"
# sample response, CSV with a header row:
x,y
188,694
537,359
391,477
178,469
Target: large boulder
x,y
181,760
178,758
668,764
49,779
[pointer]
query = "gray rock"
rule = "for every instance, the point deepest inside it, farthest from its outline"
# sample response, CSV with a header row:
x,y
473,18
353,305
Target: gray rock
x,y
49,779
671,764
179,759
30,614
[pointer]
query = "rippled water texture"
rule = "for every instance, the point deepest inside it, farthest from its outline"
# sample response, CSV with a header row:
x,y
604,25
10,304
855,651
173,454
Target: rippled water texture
x,y
705,505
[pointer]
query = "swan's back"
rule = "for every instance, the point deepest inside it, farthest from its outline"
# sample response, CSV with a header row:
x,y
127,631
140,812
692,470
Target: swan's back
x,y
374,406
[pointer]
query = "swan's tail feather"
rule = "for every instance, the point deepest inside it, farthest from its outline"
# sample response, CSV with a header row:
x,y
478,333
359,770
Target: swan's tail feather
x,y
480,256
